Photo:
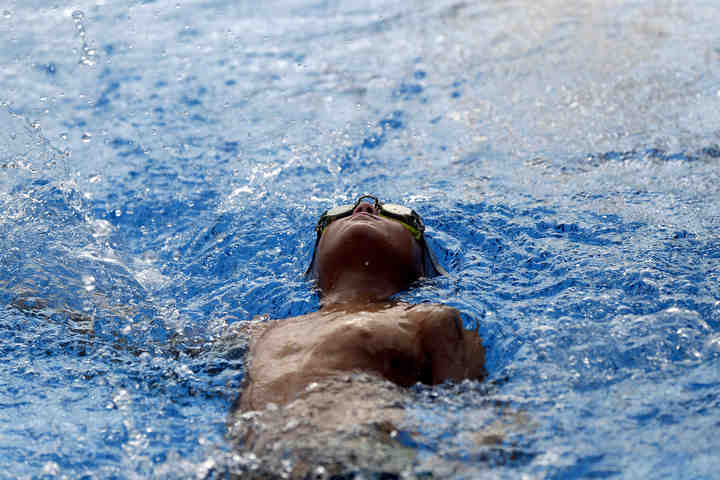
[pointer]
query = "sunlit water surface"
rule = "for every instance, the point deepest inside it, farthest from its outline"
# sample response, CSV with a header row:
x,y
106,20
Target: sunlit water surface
x,y
162,164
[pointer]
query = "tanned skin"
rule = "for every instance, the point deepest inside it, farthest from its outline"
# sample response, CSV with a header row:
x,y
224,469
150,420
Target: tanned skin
x,y
361,260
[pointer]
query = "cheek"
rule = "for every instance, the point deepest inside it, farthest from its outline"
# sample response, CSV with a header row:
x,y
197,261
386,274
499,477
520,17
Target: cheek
x,y
328,239
418,258
407,248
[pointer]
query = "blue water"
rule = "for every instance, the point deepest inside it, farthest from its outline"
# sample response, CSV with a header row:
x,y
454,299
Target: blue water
x,y
162,164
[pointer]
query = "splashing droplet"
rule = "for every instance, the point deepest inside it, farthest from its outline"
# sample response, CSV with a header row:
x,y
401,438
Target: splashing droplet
x,y
88,283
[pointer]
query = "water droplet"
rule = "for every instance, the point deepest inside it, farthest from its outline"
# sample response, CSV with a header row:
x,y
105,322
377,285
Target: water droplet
x,y
35,124
88,282
7,13
87,61
78,15
319,472
51,468
118,213
64,136
86,137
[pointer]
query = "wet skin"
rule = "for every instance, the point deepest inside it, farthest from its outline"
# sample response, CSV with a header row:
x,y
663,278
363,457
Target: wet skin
x,y
361,260
366,256
402,343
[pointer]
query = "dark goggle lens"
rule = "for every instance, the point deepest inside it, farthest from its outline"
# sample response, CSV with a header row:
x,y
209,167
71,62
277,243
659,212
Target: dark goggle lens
x,y
333,214
396,212
405,215
341,210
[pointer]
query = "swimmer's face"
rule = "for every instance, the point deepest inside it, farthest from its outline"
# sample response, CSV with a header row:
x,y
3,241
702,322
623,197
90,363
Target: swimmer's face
x,y
367,242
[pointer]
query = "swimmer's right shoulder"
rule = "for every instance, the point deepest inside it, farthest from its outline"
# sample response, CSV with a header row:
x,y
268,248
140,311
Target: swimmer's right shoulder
x,y
248,332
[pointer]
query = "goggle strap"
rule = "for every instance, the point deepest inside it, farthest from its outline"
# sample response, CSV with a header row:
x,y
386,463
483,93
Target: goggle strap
x,y
429,255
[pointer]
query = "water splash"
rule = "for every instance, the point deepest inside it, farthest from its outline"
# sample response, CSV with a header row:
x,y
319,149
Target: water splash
x,y
89,54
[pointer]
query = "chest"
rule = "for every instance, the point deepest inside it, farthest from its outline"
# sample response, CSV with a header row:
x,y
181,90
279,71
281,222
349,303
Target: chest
x,y
378,341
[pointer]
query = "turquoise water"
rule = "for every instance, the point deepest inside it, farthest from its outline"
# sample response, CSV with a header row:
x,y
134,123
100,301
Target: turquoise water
x,y
162,165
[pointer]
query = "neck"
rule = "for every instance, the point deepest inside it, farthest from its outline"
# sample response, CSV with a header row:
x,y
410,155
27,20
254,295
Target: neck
x,y
358,290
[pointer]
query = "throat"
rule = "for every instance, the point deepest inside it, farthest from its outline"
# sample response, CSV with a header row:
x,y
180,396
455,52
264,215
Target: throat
x,y
355,305
357,290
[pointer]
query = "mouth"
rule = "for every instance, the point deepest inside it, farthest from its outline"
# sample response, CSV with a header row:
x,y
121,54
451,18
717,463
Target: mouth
x,y
363,215
361,218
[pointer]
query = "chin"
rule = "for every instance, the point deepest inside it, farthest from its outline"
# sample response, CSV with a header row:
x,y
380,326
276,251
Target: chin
x,y
373,242
369,233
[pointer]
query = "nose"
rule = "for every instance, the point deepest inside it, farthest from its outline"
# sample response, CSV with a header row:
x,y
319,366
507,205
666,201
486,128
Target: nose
x,y
365,207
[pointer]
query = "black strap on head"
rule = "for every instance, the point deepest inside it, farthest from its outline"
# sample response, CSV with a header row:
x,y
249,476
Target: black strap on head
x,y
432,266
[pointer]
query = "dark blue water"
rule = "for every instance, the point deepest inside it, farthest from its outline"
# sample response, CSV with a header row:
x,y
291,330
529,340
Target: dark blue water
x,y
162,165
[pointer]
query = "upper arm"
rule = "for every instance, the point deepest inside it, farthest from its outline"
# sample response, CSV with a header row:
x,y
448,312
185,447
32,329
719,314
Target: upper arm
x,y
454,353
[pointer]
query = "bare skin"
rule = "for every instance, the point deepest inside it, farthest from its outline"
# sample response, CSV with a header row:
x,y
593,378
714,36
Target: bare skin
x,y
307,366
402,343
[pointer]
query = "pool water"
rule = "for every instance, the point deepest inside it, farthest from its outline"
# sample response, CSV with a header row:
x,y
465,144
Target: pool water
x,y
162,164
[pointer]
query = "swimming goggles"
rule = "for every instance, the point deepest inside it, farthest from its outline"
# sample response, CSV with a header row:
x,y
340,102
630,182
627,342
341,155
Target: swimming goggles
x,y
408,217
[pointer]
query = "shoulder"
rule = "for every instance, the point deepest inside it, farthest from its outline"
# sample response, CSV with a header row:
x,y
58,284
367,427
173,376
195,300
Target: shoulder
x,y
437,322
432,308
246,333
270,329
434,312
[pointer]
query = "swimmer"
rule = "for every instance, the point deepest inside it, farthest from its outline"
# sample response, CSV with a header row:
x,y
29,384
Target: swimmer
x,y
326,390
